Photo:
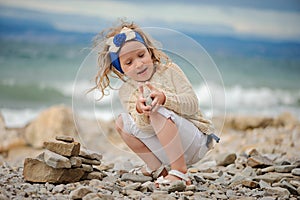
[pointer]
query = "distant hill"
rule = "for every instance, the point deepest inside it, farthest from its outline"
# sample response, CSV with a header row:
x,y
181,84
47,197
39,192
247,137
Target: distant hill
x,y
228,46
41,31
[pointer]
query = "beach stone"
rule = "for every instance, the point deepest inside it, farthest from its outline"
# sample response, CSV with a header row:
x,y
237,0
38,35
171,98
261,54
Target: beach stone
x,y
91,196
93,155
272,177
199,179
62,148
277,191
132,186
37,171
296,171
94,175
89,161
284,168
244,123
295,183
253,152
258,161
86,168
226,159
64,138
289,187
263,184
55,160
158,196
285,119
106,196
9,137
80,192
297,163
104,167
236,180
58,188
187,193
190,188
133,194
55,121
75,161
148,186
211,176
193,170
135,178
248,172
177,186
249,183
268,169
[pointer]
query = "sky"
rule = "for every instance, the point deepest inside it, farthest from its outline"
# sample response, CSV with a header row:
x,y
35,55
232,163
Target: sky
x,y
272,20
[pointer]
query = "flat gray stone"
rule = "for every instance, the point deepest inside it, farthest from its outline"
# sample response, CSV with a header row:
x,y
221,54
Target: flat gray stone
x,y
177,186
226,159
277,191
90,161
62,148
55,160
284,168
37,171
75,161
289,187
268,169
249,183
259,161
86,168
272,177
64,138
263,184
296,171
80,192
94,175
135,178
86,153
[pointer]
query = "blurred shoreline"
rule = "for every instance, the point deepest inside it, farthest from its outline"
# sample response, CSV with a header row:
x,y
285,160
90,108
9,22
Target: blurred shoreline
x,y
239,133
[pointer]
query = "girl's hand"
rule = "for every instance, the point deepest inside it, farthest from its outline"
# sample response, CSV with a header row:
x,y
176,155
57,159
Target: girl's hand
x,y
158,97
141,106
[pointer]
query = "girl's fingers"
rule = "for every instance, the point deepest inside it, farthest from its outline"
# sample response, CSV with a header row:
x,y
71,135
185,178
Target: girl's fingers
x,y
154,102
141,89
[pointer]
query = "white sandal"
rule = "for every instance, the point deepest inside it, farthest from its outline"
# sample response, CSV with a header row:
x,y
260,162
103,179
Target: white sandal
x,y
177,185
152,173
182,176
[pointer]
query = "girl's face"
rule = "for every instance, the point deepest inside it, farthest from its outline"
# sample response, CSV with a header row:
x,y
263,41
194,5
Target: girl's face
x,y
136,61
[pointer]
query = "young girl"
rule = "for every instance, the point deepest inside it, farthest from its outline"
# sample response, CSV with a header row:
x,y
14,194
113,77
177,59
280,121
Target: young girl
x,y
163,124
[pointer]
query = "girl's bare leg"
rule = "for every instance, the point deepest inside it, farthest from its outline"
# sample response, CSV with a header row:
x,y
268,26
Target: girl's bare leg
x,y
169,138
138,147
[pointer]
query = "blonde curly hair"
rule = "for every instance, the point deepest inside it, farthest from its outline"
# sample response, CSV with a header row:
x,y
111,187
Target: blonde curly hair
x,y
102,78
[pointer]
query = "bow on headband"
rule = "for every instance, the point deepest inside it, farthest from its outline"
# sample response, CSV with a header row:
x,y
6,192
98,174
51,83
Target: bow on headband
x,y
116,42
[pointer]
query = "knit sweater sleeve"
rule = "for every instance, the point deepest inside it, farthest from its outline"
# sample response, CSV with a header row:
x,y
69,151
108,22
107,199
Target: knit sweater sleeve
x,y
184,100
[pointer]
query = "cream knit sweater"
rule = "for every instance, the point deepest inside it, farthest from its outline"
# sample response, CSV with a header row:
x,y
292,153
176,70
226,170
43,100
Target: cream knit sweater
x,y
180,98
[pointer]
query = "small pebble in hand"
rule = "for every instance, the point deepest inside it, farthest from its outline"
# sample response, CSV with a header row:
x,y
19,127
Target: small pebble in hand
x,y
148,101
146,95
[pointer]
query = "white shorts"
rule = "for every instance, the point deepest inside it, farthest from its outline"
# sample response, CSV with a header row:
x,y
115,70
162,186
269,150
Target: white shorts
x,y
193,140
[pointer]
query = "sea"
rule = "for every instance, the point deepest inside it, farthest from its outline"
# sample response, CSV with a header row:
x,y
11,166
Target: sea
x,y
229,75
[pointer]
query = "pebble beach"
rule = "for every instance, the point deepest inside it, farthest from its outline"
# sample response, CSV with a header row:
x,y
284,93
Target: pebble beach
x,y
257,158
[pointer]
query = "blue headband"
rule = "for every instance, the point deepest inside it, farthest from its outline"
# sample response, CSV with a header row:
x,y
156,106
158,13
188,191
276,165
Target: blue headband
x,y
115,43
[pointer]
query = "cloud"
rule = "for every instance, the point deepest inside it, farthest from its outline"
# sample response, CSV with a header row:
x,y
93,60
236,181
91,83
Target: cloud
x,y
214,19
